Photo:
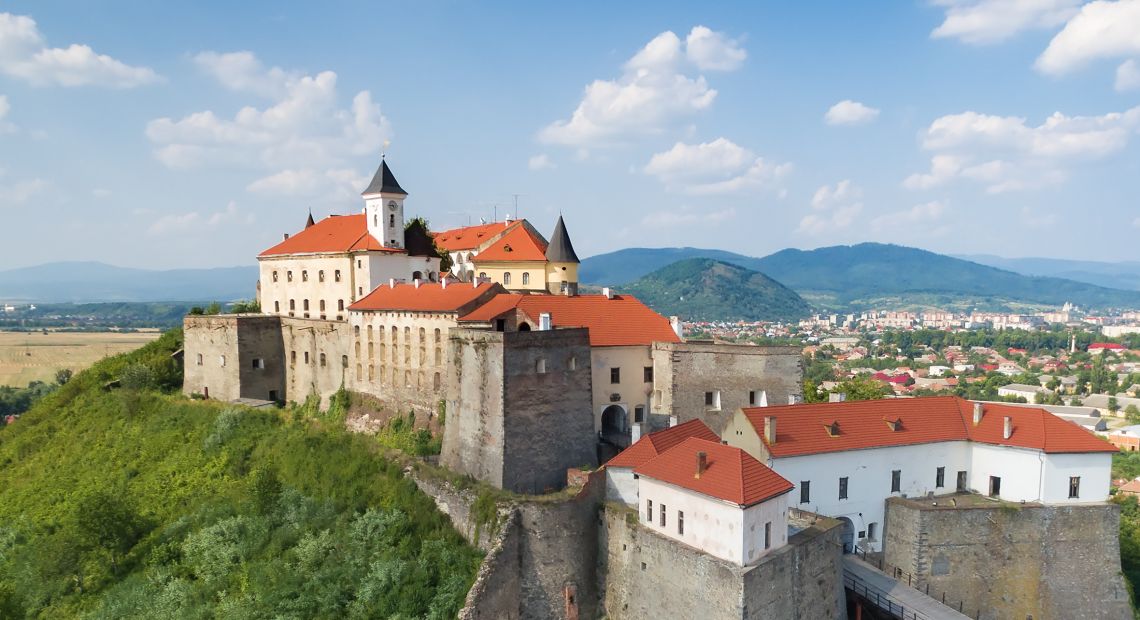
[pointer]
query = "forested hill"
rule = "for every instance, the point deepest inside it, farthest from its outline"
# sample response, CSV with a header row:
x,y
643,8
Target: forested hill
x,y
703,289
858,275
135,502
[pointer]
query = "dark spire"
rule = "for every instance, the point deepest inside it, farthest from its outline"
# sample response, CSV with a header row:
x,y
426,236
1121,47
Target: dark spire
x,y
560,249
310,221
384,182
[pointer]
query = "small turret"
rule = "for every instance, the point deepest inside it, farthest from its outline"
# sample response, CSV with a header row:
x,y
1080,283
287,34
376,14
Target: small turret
x,y
562,262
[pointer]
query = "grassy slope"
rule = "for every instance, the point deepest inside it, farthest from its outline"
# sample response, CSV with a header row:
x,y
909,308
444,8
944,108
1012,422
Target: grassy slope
x,y
140,504
707,289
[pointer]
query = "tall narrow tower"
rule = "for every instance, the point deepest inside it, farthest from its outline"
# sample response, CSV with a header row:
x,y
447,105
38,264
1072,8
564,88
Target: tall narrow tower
x,y
384,207
562,262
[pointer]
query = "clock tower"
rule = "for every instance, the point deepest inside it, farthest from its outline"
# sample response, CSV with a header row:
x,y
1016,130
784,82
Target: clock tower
x,y
384,207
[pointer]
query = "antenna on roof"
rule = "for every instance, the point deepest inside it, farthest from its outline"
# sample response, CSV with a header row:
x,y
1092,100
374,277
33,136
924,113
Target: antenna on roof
x,y
516,205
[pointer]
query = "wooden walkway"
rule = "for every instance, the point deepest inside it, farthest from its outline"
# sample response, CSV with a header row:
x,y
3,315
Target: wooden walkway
x,y
892,596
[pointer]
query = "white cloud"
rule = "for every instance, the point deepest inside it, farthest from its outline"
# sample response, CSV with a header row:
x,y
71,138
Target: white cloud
x,y
1101,30
243,72
923,217
716,167
653,91
21,192
25,55
834,208
540,162
686,217
304,139
713,51
334,185
1007,154
181,223
848,112
828,196
1127,76
981,22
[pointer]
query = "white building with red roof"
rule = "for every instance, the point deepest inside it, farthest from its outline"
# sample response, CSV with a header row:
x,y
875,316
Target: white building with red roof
x,y
847,458
321,270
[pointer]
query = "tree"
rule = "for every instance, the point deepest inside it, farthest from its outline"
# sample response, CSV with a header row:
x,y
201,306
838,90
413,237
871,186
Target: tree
x,y
862,388
105,521
1113,406
1132,413
62,376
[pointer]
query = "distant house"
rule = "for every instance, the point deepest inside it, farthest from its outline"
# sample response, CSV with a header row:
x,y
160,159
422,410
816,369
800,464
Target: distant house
x,y
1098,348
1132,487
1028,392
1127,438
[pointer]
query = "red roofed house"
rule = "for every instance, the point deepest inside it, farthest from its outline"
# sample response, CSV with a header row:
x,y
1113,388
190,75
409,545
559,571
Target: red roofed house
x,y
1097,348
621,485
521,260
847,458
321,270
715,498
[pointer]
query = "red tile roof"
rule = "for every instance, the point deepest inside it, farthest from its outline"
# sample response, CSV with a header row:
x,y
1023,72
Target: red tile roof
x,y
336,233
518,244
621,321
429,297
468,237
731,474
1112,346
802,429
650,446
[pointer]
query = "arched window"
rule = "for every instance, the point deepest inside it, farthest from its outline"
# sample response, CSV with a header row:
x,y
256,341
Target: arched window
x,y
340,305
321,276
392,220
277,306
274,276
305,305
292,305
507,279
417,275
322,304
336,275
356,330
305,276
526,278
357,346
438,333
482,274
435,382
289,276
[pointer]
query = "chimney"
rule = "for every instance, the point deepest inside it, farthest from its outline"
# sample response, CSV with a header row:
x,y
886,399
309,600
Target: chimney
x,y
544,324
443,282
1007,428
672,421
608,292
702,463
286,236
763,398
795,399
391,282
678,328
770,429
416,282
978,410
635,433
836,397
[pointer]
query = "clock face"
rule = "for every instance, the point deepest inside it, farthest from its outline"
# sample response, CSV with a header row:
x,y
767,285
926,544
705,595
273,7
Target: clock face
x,y
392,206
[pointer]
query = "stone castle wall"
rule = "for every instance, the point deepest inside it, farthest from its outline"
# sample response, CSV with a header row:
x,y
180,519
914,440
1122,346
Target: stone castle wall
x,y
220,355
684,372
1013,561
646,575
518,407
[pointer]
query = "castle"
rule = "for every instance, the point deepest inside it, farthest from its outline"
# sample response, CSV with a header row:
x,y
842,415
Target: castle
x,y
721,495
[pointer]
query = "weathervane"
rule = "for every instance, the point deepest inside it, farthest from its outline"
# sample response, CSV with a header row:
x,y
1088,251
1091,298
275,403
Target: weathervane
x,y
384,153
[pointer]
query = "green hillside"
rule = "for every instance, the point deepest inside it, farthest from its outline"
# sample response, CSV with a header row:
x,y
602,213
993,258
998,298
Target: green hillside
x,y
870,274
134,502
704,289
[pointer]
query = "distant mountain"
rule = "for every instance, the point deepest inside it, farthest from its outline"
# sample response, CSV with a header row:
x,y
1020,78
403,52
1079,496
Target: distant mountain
x,y
1123,275
870,274
96,282
704,289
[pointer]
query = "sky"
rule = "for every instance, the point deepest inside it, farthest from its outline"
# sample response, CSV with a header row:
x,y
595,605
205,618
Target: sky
x,y
166,135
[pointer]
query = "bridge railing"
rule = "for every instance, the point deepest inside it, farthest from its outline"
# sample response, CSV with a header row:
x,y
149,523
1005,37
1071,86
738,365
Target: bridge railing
x,y
879,598
913,581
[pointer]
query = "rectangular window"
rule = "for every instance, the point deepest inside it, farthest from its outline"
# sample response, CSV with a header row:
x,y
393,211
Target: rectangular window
x,y
336,275
306,357
712,400
843,487
995,486
649,511
292,357
752,398
615,375
768,534
940,477
805,491
199,359
1074,487
648,374
680,522
639,414
662,511
258,363
871,531
896,480
961,484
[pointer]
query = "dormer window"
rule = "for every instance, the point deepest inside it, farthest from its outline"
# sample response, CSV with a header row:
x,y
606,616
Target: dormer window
x,y
832,429
894,425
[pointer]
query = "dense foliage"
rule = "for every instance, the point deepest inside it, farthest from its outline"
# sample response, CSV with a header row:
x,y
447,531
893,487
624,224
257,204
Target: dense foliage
x,y
130,502
1127,465
702,289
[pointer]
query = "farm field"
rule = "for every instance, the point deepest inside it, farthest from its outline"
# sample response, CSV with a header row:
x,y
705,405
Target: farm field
x,y
35,356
